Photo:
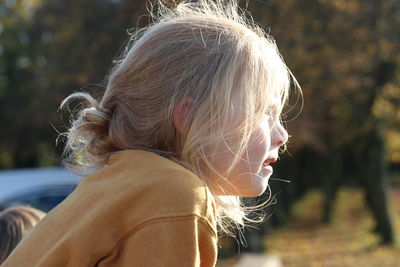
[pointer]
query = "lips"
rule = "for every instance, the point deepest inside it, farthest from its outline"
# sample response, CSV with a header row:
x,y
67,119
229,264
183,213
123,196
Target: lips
x,y
269,161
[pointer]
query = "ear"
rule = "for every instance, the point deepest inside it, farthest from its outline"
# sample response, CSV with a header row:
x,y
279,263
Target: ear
x,y
182,113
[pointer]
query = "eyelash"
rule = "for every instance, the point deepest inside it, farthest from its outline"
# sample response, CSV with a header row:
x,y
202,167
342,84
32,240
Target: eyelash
x,y
273,115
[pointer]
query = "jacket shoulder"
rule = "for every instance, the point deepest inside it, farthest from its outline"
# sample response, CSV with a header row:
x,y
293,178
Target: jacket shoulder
x,y
150,186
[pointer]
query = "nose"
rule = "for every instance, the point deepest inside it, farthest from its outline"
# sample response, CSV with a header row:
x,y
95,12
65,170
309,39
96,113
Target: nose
x,y
279,136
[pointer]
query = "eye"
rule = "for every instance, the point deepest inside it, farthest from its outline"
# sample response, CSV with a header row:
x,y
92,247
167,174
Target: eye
x,y
274,110
274,121
273,115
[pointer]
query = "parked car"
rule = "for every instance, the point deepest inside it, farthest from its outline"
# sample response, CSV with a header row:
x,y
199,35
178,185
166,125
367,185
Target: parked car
x,y
42,188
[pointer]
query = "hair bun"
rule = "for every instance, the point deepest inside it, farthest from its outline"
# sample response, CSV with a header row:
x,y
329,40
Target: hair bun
x,y
94,123
95,119
87,138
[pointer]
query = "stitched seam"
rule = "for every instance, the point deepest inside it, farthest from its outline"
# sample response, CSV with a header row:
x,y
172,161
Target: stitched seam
x,y
152,221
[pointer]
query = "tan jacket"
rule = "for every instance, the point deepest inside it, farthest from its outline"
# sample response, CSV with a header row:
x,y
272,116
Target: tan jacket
x,y
139,210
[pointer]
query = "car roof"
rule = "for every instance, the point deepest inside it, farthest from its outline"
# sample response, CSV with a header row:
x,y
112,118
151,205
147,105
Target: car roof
x,y
18,181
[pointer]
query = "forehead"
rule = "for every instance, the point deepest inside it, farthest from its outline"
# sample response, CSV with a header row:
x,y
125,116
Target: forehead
x,y
274,103
275,107
267,79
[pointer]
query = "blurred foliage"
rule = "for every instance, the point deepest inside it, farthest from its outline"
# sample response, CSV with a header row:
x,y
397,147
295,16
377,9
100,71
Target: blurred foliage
x,y
345,56
49,49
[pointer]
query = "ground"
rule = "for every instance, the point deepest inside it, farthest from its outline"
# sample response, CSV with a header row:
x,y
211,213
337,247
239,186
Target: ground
x,y
347,241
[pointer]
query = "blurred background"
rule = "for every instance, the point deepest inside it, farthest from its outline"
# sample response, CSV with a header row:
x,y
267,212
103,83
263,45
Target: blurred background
x,y
337,189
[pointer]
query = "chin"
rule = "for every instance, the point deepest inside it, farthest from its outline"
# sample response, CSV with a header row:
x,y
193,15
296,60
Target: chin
x,y
256,190
253,193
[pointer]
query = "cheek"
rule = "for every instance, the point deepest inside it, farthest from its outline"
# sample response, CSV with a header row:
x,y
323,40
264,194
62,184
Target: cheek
x,y
245,175
260,144
250,161
225,155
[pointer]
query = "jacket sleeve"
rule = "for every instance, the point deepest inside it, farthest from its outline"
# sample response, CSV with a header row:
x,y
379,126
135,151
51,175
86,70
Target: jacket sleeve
x,y
187,241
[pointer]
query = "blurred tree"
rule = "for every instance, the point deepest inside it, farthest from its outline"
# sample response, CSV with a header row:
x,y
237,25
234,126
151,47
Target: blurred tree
x,y
49,49
344,55
15,73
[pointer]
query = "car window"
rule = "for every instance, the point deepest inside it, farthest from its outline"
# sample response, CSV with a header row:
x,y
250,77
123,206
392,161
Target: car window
x,y
44,198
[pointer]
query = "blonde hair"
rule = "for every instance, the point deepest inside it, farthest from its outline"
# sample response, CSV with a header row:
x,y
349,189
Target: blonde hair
x,y
206,51
14,223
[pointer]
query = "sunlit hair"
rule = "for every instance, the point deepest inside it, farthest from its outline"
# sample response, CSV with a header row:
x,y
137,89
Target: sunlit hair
x,y
14,223
210,52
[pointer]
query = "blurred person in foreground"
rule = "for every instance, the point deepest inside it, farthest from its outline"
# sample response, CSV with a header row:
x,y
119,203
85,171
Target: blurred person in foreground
x,y
14,223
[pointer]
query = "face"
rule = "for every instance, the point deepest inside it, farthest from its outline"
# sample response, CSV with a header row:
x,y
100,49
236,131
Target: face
x,y
250,176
